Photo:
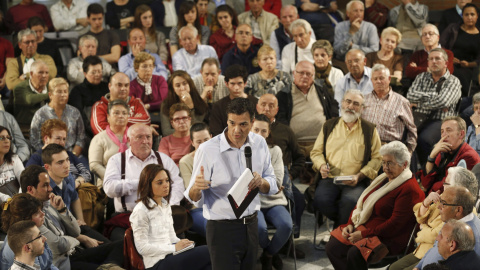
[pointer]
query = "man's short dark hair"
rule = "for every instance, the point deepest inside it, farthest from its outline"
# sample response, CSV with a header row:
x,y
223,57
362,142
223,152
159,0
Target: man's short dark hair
x,y
91,60
210,61
240,106
19,234
49,151
95,9
30,176
235,71
34,21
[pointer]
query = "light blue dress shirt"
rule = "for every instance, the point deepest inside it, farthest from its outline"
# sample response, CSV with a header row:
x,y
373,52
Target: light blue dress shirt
x,y
348,82
223,164
365,39
125,65
192,63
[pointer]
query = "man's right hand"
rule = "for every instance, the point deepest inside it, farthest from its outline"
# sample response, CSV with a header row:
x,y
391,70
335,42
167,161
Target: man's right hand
x,y
355,26
441,147
324,170
56,201
433,197
82,21
475,118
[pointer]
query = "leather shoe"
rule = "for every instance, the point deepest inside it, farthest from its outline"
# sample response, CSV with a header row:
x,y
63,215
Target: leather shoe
x,y
266,261
277,262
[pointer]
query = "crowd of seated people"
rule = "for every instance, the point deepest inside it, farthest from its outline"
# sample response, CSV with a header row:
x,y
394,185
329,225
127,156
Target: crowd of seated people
x,y
382,97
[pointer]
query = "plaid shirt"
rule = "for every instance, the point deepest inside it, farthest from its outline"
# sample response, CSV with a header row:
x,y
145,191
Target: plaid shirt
x,y
391,114
423,92
21,266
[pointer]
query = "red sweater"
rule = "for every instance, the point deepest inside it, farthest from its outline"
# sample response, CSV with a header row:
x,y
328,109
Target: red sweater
x,y
17,16
434,180
99,122
421,59
392,218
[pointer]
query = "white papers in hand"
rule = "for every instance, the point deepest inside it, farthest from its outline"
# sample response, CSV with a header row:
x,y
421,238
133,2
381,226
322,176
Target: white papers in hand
x,y
240,188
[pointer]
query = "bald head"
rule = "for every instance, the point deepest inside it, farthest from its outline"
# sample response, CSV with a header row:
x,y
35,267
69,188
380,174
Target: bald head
x,y
268,105
303,76
119,86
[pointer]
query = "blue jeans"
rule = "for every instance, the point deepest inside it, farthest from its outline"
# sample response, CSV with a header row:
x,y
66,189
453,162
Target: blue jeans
x,y
199,222
281,220
337,201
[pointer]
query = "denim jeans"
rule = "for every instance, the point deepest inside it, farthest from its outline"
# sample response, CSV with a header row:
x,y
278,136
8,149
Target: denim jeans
x,y
337,201
199,222
281,220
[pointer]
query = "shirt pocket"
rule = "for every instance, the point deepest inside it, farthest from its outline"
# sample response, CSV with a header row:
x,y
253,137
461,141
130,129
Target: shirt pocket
x,y
358,150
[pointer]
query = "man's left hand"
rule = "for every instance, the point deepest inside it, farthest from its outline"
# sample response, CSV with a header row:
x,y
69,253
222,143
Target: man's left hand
x,y
353,182
256,181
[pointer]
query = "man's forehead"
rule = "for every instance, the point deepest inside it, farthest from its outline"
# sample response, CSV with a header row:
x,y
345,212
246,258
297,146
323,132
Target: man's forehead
x,y
354,97
268,99
240,118
209,68
136,33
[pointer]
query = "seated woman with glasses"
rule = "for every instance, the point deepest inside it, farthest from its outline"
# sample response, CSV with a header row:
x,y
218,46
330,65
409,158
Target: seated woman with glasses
x,y
383,210
10,166
152,226
178,144
24,206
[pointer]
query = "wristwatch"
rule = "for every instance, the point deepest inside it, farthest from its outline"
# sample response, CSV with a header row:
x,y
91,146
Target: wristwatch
x,y
476,126
62,210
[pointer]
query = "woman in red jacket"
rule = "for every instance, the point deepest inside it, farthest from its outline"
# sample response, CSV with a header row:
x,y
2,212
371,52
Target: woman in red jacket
x,y
384,210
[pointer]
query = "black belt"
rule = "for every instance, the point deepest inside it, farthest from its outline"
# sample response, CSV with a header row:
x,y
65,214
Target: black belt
x,y
244,220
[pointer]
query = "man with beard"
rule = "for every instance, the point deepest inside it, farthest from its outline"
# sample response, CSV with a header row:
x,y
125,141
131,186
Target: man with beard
x,y
346,146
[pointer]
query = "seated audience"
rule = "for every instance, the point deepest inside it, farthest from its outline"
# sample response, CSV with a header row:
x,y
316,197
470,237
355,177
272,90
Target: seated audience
x,y
18,69
386,56
31,94
238,6
199,133
70,15
149,87
188,15
181,89
453,15
11,166
18,142
55,131
58,108
376,13
273,207
23,208
323,15
472,136
419,60
244,52
17,16
409,18
272,6
108,41
206,18
223,39
322,52
119,87
448,152
91,90
389,111
62,229
302,100
87,46
269,79
355,33
156,241
359,76
156,43
463,40
178,143
190,57
110,141
383,210
429,218
433,95
120,13
454,203
137,42
336,153
210,84
263,23
21,234
300,49
235,79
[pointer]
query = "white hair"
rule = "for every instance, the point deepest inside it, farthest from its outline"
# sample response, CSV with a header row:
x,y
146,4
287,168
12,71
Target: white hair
x,y
301,23
194,30
398,150
349,5
381,67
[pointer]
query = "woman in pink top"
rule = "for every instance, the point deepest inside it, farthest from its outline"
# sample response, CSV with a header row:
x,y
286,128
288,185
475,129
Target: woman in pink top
x,y
179,143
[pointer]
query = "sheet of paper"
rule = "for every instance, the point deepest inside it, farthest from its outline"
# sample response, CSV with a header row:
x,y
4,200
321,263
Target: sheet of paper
x,y
240,188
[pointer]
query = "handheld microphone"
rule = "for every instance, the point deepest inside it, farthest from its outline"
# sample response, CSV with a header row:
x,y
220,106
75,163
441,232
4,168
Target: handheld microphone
x,y
248,157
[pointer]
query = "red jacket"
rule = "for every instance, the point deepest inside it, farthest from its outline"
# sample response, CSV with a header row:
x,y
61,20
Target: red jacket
x,y
433,182
392,218
99,122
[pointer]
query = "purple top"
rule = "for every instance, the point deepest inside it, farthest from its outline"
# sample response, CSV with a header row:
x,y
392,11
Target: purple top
x,y
159,92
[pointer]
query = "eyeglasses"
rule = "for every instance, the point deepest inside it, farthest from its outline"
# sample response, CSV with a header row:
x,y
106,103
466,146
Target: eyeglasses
x,y
443,203
146,66
388,164
435,59
26,42
355,103
181,119
246,33
40,236
356,61
429,34
3,138
303,73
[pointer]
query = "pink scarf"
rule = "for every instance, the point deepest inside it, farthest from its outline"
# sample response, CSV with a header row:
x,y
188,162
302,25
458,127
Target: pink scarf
x,y
121,145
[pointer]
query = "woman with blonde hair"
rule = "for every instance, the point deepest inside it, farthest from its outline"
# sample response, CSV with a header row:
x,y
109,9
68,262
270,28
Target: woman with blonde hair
x,y
389,41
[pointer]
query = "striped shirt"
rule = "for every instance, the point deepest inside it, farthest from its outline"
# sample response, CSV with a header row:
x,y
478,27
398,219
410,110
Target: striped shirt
x,y
423,92
391,114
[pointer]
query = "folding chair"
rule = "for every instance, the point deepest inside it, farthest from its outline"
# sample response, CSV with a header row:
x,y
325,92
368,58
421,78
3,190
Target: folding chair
x,y
132,259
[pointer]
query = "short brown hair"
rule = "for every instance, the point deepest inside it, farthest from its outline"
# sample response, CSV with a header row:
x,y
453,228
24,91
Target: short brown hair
x,y
51,125
177,107
22,206
265,50
19,235
142,57
323,44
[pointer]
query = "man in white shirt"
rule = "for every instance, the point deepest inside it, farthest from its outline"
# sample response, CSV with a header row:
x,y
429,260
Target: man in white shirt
x,y
70,15
300,49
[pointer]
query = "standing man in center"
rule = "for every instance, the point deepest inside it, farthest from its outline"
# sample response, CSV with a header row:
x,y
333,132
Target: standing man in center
x,y
219,162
